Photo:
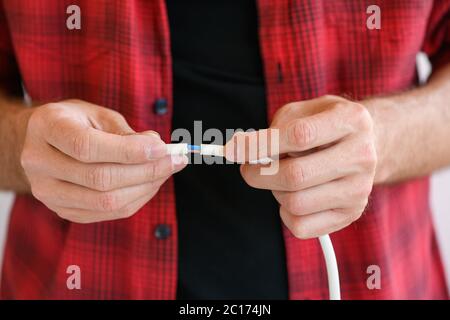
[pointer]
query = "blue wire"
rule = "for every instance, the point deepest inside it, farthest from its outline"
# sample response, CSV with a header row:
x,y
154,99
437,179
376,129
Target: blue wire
x,y
192,147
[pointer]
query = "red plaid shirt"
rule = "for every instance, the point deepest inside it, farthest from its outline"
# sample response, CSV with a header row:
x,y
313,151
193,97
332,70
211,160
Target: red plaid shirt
x,y
121,59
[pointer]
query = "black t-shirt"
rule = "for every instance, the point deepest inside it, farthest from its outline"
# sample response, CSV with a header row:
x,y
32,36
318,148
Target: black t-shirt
x,y
230,236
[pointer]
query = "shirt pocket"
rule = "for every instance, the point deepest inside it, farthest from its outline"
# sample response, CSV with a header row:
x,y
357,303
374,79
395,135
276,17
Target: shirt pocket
x,y
58,63
402,22
39,28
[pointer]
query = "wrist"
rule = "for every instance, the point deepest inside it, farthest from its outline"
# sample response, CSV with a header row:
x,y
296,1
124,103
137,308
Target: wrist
x,y
13,128
21,125
382,111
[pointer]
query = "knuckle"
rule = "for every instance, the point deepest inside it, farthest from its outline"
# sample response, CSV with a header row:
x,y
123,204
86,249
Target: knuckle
x,y
99,178
292,105
302,133
151,172
63,214
330,97
45,111
115,114
301,232
124,150
60,197
293,204
46,114
286,109
368,156
340,106
108,202
363,206
27,160
355,215
81,147
35,119
361,192
362,117
359,195
38,193
346,220
366,189
345,108
52,128
358,109
294,177
51,113
153,190
129,152
52,107
153,186
360,203
294,224
126,212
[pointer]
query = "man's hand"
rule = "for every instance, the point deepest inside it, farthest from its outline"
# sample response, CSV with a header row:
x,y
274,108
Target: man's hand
x,y
327,168
85,163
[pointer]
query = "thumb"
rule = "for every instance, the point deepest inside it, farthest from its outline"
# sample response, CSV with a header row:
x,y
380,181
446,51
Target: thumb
x,y
151,132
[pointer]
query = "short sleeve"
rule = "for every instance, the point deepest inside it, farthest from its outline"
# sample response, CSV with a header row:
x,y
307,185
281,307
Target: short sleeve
x,y
437,41
10,82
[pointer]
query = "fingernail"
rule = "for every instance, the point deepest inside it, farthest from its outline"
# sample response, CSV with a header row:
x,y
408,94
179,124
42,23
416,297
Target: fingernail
x,y
156,151
179,160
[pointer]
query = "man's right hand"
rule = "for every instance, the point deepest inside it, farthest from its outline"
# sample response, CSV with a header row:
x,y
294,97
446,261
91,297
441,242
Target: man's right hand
x,y
85,163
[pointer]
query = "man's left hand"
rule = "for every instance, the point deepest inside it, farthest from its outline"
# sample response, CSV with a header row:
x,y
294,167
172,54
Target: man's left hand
x,y
326,168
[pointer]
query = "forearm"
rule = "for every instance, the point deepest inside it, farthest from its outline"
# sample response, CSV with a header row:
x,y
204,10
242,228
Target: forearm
x,y
413,130
13,122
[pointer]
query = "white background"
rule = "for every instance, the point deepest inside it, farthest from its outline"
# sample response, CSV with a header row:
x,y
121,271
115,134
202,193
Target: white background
x,y
440,200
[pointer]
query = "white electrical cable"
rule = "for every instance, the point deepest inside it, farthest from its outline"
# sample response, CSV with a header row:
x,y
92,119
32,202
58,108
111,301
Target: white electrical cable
x,y
205,150
325,241
332,267
211,150
177,149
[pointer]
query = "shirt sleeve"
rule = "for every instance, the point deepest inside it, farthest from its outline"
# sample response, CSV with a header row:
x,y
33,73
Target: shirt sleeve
x,y
437,41
10,83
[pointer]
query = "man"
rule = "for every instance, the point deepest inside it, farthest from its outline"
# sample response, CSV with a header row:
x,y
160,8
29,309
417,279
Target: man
x,y
97,191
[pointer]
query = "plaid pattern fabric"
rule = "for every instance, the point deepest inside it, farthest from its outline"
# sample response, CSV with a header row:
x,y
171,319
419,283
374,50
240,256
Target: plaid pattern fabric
x,y
121,59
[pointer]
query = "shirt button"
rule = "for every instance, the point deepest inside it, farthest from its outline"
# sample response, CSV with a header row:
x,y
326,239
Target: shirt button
x,y
162,231
160,106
